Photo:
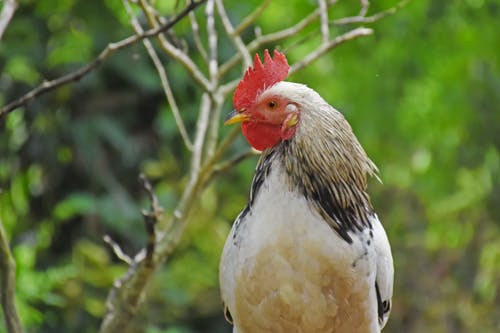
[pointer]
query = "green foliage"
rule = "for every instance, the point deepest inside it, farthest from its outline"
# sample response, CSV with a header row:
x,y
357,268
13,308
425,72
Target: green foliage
x,y
422,95
72,46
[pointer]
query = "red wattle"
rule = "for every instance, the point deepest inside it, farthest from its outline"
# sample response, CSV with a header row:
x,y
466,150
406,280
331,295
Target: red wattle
x,y
260,135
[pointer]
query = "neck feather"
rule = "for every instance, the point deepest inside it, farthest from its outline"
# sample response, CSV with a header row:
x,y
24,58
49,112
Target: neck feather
x,y
325,162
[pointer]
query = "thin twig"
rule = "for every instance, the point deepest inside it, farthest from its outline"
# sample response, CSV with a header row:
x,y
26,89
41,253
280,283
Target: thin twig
x,y
175,53
222,167
108,51
127,293
117,250
227,88
156,208
324,48
213,64
325,28
8,285
216,102
201,131
163,78
365,5
8,10
250,19
223,147
273,38
235,38
215,121
197,182
151,218
196,36
370,19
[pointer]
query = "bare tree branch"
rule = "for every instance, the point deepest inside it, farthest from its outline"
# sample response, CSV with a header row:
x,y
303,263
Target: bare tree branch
x,y
370,19
315,54
196,36
213,132
173,51
126,296
163,78
127,293
365,5
250,19
151,218
8,285
223,146
324,48
235,38
108,51
325,29
273,38
8,10
215,100
169,238
213,63
201,131
222,167
117,250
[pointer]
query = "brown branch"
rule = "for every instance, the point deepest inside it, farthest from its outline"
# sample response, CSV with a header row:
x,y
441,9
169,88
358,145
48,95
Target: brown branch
x,y
163,78
8,285
169,238
151,218
126,296
85,70
8,10
127,293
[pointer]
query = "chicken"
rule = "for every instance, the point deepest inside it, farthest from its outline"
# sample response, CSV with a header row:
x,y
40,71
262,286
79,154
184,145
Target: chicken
x,y
307,254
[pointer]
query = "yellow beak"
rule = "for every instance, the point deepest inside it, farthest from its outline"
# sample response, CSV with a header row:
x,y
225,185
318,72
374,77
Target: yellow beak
x,y
235,116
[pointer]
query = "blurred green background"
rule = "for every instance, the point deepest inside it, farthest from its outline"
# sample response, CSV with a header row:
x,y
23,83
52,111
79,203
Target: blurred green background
x,y
422,94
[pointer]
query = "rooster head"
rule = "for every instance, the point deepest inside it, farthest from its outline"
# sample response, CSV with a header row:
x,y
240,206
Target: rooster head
x,y
266,118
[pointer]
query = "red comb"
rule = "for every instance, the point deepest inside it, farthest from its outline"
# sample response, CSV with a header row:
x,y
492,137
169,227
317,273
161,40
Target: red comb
x,y
259,78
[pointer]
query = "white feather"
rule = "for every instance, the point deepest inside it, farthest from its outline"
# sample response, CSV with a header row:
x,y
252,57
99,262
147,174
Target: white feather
x,y
280,212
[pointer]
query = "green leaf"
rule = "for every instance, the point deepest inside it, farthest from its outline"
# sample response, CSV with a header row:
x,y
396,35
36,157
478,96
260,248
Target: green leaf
x,y
75,204
20,68
73,46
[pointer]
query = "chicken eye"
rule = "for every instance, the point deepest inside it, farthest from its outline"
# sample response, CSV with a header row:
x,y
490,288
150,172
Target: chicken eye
x,y
272,104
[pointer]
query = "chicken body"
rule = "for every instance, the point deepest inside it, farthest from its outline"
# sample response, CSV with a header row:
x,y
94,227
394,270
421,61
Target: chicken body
x,y
308,254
